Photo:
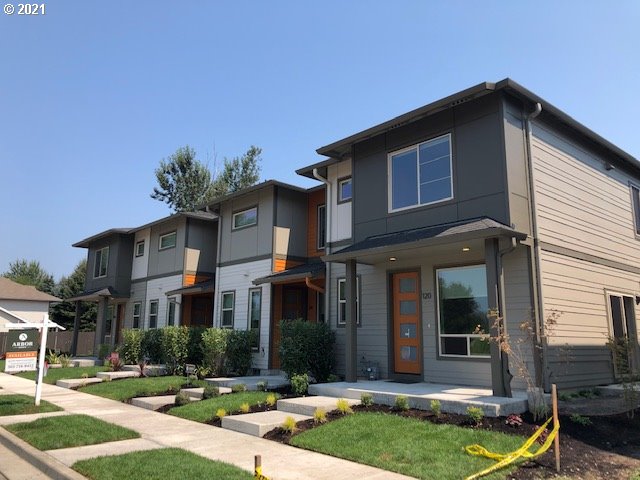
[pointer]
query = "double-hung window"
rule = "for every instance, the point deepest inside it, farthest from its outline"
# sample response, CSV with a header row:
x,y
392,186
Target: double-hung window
x,y
226,312
623,332
245,218
421,174
462,310
171,312
635,201
342,301
255,312
168,240
101,263
322,226
137,307
153,313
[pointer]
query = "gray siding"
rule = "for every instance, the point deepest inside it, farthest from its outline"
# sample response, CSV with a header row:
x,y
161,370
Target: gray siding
x,y
138,294
291,213
119,267
203,236
170,260
478,170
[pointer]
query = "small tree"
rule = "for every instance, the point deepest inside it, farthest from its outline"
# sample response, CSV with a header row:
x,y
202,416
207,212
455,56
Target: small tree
x,y
30,273
64,313
238,173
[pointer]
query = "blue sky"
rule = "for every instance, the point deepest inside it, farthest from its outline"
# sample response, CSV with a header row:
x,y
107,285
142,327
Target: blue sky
x,y
94,94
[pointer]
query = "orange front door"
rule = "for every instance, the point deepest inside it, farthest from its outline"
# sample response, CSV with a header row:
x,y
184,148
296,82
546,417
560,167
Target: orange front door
x,y
406,322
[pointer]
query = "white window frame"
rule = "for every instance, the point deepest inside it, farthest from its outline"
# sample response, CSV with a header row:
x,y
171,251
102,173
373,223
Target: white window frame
x,y
169,234
321,245
151,314
241,212
100,257
139,243
343,321
341,182
172,301
223,309
468,336
257,290
137,316
416,147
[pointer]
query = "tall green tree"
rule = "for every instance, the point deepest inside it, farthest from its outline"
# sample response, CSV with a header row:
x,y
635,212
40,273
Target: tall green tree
x,y
30,273
183,182
64,313
238,173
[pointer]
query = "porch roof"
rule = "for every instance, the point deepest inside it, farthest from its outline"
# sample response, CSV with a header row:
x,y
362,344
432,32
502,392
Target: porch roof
x,y
96,294
299,272
434,235
202,287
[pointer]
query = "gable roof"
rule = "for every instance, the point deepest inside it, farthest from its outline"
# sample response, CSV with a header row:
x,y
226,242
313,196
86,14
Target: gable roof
x,y
253,188
10,290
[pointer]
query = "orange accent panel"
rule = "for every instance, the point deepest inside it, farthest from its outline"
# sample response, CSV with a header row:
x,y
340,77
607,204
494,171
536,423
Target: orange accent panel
x,y
191,279
406,325
282,264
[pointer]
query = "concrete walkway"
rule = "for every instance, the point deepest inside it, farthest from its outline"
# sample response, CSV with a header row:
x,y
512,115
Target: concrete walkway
x,y
279,462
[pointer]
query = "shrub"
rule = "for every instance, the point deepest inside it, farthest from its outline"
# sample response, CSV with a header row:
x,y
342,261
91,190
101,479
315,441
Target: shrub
x,y
262,386
343,406
307,347
182,399
238,387
366,399
221,412
214,346
245,408
238,352
289,425
271,400
115,362
131,350
300,384
53,358
65,361
514,420
175,345
103,350
210,391
319,416
475,414
202,372
194,350
333,378
580,420
436,407
151,345
402,403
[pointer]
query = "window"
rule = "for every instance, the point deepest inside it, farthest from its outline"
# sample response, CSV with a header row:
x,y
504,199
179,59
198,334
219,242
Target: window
x,y
109,322
168,240
137,307
342,301
421,174
255,311
622,314
140,248
101,263
462,310
635,198
171,312
245,218
320,317
344,190
153,313
226,314
322,226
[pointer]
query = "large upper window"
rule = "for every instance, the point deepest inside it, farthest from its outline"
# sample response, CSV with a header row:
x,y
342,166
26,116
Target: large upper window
x,y
101,263
168,240
226,313
245,218
342,301
421,174
255,312
462,309
322,226
635,199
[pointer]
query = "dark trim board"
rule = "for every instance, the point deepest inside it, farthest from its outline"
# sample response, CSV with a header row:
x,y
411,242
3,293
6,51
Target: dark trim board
x,y
549,247
245,260
154,277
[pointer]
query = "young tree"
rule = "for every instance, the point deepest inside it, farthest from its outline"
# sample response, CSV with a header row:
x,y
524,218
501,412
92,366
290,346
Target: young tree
x,y
64,313
30,273
238,173
183,182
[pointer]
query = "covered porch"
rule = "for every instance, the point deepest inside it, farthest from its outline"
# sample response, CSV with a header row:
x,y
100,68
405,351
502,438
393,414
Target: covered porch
x,y
196,305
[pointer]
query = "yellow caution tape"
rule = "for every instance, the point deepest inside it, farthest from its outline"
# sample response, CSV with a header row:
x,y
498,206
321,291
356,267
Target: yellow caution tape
x,y
258,474
505,459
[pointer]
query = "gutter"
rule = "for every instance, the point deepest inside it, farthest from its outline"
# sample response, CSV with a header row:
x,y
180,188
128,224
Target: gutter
x,y
327,248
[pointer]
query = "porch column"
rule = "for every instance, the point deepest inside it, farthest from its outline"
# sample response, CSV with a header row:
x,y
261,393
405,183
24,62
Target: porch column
x,y
76,329
500,381
351,327
101,323
114,327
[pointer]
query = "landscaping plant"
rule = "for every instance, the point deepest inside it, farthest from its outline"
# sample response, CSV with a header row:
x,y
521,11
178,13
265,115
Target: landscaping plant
x,y
245,408
271,400
131,349
300,384
289,425
580,420
436,407
307,347
514,420
319,416
214,347
65,361
475,414
210,391
175,346
401,403
366,399
221,412
151,345
343,407
238,353
262,386
182,399
194,350
239,387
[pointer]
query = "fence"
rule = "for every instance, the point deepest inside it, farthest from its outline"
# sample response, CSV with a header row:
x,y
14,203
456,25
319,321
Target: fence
x,y
60,341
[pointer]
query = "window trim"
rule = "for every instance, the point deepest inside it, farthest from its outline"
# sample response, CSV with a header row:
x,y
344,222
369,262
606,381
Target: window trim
x,y
635,214
137,248
239,212
233,308
339,302
324,229
164,235
250,311
342,180
95,261
468,356
157,303
625,324
174,302
416,146
138,316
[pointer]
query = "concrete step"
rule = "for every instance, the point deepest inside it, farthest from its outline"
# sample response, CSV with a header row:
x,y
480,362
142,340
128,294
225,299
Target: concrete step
x,y
117,375
83,362
198,393
77,382
251,382
149,370
258,424
153,403
308,405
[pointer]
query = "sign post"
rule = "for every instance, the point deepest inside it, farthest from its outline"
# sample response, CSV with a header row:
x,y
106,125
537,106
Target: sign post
x,y
43,348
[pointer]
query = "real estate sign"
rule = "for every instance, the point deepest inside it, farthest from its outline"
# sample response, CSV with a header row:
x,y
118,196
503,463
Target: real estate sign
x,y
22,350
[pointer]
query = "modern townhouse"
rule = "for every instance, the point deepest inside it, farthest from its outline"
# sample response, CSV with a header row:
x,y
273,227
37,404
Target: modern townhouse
x,y
463,220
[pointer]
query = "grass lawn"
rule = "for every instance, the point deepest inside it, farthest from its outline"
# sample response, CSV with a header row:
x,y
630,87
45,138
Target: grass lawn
x,y
23,404
128,388
408,446
55,374
162,464
69,431
205,410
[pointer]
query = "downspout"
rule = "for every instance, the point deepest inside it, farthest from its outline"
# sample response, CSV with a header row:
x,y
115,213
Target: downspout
x,y
539,353
312,286
327,247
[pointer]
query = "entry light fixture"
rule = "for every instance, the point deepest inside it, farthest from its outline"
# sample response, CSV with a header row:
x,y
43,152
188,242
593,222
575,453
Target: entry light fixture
x,y
465,249
392,259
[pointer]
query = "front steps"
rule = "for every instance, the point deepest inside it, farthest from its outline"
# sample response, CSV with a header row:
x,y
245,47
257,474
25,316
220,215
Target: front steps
x,y
252,382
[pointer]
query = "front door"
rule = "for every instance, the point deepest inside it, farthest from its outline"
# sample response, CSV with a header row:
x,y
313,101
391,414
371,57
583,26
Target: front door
x,y
406,322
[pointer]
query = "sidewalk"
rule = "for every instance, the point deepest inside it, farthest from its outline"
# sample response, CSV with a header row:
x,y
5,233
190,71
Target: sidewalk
x,y
279,462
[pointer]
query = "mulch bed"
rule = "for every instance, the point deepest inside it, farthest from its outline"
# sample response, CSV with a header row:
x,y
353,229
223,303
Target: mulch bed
x,y
608,448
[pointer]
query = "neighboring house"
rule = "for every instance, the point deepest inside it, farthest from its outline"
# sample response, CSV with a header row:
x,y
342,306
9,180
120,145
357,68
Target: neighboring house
x,y
20,303
268,267
489,201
